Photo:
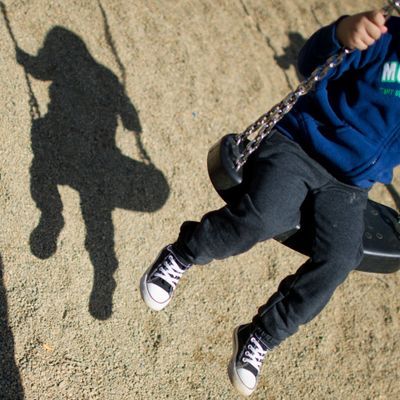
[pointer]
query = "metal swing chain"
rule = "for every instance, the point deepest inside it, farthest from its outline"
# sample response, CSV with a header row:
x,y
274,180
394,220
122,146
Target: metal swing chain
x,y
34,109
267,121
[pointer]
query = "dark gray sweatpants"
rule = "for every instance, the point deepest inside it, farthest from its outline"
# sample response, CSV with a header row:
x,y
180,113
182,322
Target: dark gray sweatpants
x,y
278,178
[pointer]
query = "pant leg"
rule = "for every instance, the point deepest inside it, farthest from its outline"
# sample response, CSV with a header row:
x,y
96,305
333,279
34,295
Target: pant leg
x,y
337,249
276,186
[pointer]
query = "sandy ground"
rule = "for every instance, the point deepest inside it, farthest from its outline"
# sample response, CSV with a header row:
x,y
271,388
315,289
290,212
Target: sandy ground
x,y
112,149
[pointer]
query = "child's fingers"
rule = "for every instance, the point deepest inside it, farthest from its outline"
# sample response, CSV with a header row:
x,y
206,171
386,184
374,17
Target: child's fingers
x,y
374,27
365,37
377,18
373,31
360,45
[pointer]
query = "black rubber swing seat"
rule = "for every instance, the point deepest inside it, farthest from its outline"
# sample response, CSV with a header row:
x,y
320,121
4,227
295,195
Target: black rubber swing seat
x,y
382,224
381,238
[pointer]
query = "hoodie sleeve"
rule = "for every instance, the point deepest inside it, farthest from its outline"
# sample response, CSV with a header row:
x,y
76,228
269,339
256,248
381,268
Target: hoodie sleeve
x,y
324,44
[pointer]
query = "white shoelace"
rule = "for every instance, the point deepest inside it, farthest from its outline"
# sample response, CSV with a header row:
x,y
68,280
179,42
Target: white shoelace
x,y
254,355
170,271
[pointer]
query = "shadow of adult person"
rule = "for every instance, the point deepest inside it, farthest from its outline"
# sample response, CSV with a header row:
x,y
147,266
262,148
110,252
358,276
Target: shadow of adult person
x,y
10,381
74,144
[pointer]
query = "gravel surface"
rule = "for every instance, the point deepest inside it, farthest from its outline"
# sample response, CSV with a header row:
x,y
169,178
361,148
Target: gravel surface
x,y
105,134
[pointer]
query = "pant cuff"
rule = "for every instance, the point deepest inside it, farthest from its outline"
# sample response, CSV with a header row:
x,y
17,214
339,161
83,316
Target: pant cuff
x,y
265,336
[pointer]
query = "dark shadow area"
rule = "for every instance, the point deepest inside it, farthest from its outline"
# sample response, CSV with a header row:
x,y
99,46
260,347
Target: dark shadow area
x,y
74,144
291,53
395,195
10,381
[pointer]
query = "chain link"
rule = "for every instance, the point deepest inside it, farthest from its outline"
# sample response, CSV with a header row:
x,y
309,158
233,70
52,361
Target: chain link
x,y
267,121
265,124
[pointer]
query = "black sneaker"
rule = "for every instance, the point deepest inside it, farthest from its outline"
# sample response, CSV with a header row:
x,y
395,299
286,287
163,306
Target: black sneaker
x,y
248,355
159,281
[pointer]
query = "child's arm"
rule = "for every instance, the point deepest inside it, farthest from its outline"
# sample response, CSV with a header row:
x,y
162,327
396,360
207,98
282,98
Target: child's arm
x,y
354,32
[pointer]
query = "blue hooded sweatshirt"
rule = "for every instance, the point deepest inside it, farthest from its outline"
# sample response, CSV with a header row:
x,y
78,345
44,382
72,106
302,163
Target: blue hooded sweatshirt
x,y
350,123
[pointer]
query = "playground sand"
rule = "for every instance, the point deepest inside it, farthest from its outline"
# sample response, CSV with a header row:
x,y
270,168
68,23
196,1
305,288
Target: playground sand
x,y
193,71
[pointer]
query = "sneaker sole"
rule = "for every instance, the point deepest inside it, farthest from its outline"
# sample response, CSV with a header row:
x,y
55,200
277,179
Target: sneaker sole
x,y
232,373
150,302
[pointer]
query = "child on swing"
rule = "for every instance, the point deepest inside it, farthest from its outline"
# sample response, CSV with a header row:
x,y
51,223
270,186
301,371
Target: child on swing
x,y
334,144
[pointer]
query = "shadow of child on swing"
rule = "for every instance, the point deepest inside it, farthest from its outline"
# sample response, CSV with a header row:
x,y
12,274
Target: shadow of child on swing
x,y
74,144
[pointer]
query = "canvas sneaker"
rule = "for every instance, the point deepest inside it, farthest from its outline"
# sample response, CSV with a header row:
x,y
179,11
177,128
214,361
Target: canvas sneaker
x,y
158,283
249,352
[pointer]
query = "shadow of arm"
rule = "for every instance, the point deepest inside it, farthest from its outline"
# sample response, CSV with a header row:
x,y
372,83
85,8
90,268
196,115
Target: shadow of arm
x,y
39,67
128,113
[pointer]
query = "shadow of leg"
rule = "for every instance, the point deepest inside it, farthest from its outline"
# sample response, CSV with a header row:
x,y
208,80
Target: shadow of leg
x,y
100,245
43,239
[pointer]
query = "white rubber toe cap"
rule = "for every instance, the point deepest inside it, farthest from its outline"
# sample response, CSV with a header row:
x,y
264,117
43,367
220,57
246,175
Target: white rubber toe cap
x,y
154,296
247,378
157,293
243,380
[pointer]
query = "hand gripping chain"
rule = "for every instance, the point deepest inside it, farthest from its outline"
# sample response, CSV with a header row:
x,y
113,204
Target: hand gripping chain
x,y
267,121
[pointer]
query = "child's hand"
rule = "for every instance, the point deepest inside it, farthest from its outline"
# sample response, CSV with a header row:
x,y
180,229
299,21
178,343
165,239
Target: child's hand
x,y
361,30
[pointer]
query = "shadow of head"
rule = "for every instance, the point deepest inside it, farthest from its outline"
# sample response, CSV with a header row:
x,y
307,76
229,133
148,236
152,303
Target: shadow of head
x,y
62,47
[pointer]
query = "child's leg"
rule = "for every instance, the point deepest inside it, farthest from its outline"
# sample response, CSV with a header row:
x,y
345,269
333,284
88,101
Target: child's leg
x,y
270,205
337,249
267,208
277,184
300,297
